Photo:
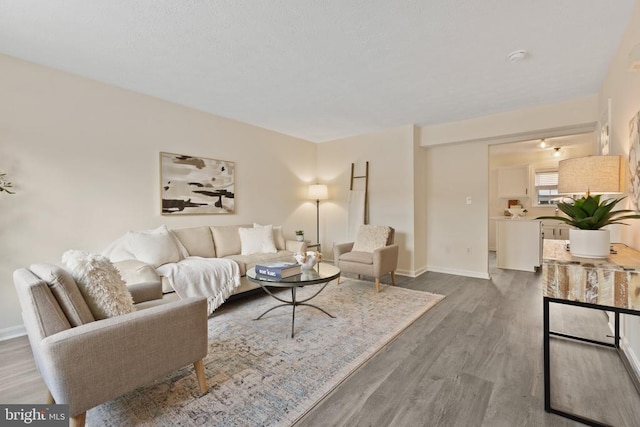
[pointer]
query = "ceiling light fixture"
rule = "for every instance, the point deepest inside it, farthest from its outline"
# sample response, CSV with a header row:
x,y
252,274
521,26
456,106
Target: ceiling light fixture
x,y
517,55
556,152
543,144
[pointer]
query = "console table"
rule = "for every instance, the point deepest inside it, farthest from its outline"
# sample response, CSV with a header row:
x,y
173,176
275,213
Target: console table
x,y
611,284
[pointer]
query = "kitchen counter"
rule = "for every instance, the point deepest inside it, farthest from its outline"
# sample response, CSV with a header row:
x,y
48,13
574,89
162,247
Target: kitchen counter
x,y
508,218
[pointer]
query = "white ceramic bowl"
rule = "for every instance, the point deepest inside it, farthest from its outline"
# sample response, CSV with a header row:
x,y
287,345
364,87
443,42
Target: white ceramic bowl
x,y
516,212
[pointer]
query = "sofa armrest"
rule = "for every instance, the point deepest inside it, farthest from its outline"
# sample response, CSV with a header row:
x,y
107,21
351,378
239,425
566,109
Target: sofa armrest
x,y
98,361
295,246
134,271
341,248
385,260
145,291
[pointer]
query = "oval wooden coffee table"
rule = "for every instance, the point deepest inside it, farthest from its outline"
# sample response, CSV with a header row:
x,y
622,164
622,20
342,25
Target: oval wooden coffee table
x,y
322,274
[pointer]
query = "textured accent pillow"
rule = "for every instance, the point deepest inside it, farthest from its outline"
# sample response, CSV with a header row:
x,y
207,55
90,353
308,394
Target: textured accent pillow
x,y
278,235
257,240
155,247
100,284
371,237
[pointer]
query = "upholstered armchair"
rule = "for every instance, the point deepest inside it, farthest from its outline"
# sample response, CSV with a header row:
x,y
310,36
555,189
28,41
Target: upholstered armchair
x,y
85,362
372,254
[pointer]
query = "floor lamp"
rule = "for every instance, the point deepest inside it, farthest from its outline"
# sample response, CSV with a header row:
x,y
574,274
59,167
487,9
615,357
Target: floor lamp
x,y
318,192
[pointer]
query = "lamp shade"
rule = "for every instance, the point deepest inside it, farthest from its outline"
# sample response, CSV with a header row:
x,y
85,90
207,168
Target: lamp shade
x,y
318,192
594,174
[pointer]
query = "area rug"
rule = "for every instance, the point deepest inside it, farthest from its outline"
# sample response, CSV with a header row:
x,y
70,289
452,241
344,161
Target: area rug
x,y
257,374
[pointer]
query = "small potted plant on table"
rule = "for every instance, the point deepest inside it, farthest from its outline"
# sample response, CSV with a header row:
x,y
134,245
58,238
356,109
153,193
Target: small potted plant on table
x,y
588,215
299,235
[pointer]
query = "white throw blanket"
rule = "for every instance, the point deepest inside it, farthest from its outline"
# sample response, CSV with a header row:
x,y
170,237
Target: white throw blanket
x,y
214,278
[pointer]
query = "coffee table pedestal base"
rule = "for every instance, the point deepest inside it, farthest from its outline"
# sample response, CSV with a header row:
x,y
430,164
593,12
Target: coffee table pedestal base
x,y
294,303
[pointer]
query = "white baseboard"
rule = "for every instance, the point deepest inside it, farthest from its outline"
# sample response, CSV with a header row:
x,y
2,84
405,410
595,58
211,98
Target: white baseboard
x,y
12,332
406,273
631,356
456,272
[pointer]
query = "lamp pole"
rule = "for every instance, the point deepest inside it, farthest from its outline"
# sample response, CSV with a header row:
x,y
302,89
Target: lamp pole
x,y
318,221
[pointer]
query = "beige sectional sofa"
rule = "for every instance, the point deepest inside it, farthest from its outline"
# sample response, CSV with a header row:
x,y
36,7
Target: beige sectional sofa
x,y
142,256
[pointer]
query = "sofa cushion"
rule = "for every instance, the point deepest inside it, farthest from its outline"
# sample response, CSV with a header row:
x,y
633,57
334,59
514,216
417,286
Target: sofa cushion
x,y
256,240
246,262
66,292
197,241
155,247
278,235
226,239
100,284
371,237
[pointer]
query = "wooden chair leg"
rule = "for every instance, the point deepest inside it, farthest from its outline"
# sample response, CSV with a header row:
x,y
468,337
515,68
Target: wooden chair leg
x,y
377,284
50,399
393,278
202,379
78,420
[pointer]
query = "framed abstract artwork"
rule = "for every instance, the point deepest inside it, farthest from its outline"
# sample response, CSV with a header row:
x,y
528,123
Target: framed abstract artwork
x,y
634,160
192,185
604,136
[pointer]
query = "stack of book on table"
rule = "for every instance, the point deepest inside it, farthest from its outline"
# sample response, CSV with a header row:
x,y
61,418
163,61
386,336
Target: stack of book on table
x,y
278,270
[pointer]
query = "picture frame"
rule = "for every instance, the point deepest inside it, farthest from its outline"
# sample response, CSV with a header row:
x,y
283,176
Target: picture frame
x,y
191,185
634,161
604,134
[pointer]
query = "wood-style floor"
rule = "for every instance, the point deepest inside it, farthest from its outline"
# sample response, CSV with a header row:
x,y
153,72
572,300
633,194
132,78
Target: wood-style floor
x,y
475,359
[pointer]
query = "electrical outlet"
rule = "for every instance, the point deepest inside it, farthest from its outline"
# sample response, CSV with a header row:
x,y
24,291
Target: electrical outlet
x,y
469,200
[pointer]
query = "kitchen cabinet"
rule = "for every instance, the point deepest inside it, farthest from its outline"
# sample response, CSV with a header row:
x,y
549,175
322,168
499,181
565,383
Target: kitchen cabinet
x,y
555,230
513,182
519,244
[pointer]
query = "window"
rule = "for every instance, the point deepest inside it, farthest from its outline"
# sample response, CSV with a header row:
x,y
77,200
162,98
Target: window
x,y
546,187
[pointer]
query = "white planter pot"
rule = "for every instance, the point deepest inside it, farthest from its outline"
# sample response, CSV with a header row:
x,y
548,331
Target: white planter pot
x,y
589,243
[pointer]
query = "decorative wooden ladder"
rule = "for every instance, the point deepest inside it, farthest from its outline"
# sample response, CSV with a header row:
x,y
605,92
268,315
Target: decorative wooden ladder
x,y
366,188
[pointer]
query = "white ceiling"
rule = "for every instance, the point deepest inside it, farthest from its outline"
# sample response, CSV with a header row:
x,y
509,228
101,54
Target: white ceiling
x,y
326,69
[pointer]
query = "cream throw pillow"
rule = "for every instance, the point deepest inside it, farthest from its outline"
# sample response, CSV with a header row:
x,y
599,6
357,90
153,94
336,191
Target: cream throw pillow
x,y
278,235
257,240
154,247
100,284
371,237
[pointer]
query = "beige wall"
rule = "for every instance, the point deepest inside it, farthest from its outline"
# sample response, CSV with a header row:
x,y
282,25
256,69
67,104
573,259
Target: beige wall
x,y
390,154
421,236
623,88
83,157
456,231
545,121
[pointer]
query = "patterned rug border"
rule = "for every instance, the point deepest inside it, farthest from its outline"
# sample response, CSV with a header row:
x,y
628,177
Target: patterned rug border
x,y
349,369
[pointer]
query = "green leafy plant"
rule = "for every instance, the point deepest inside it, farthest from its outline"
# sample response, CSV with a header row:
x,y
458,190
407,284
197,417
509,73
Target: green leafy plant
x,y
589,213
299,233
5,185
